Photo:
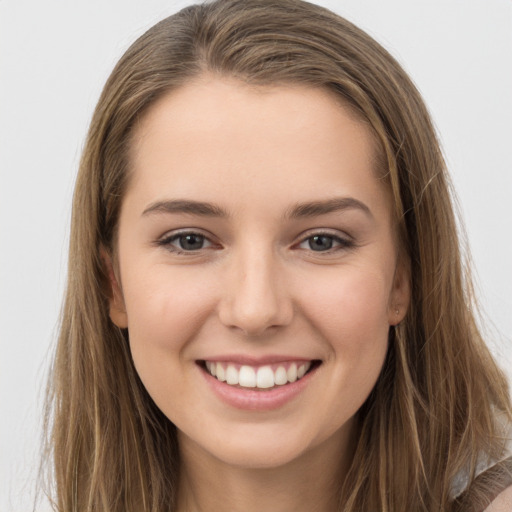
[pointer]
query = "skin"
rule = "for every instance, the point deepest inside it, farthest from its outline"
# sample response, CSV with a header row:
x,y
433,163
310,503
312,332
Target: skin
x,y
257,287
502,503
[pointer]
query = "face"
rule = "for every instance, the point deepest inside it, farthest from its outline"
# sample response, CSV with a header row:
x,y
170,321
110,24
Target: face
x,y
256,243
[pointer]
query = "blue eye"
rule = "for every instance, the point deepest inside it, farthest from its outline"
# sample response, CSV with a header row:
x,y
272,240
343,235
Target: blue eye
x,y
185,242
322,242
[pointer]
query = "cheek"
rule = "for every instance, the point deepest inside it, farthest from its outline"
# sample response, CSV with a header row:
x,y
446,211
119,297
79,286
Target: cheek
x,y
350,315
351,321
166,308
164,300
350,305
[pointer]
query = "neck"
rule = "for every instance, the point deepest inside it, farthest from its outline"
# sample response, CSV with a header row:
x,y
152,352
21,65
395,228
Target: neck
x,y
311,482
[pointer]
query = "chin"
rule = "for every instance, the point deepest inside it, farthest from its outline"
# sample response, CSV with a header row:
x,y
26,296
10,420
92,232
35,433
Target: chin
x,y
249,446
260,455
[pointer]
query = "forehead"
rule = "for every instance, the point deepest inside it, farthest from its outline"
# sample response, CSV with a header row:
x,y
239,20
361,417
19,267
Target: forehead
x,y
223,136
227,101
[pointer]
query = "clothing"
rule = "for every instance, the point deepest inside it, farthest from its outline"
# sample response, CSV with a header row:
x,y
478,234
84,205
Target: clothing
x,y
496,473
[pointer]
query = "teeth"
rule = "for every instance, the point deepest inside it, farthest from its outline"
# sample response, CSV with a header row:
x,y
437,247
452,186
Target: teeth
x,y
231,375
292,373
263,377
301,370
247,377
280,376
220,372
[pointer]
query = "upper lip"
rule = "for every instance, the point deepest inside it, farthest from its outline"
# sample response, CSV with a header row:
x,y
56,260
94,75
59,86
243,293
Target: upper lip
x,y
257,361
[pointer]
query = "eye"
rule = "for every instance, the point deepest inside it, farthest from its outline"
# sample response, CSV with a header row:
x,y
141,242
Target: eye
x,y
323,242
185,242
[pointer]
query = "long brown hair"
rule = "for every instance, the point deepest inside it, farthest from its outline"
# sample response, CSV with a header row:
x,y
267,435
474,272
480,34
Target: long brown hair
x,y
432,410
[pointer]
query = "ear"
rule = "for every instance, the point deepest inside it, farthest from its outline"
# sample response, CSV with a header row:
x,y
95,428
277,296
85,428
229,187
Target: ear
x,y
117,309
400,295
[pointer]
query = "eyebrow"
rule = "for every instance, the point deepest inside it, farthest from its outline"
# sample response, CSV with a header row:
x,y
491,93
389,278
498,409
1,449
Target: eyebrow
x,y
200,208
299,210
336,204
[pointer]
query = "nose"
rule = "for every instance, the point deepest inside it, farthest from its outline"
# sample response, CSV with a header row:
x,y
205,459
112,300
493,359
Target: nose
x,y
255,297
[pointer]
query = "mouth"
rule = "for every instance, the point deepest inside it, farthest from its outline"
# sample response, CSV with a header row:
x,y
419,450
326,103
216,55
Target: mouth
x,y
265,377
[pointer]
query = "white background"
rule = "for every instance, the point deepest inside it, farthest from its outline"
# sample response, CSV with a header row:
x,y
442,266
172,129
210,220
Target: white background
x,y
54,59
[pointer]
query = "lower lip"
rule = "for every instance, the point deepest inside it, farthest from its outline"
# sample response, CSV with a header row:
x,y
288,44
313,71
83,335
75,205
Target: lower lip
x,y
257,400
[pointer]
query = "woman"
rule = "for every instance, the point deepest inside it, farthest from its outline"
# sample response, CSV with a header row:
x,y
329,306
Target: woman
x,y
265,285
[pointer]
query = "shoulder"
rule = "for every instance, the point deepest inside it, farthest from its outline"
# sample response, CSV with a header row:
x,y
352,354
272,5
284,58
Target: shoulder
x,y
491,491
502,503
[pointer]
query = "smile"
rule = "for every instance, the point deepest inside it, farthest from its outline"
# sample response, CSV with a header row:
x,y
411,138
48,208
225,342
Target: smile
x,y
260,377
263,385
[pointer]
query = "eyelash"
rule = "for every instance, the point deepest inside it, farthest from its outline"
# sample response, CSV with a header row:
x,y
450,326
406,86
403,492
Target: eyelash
x,y
166,242
343,243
